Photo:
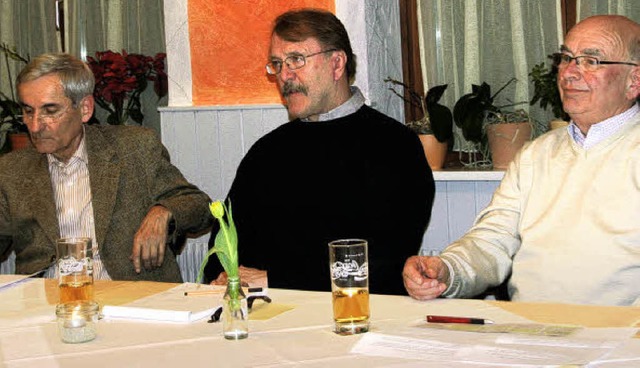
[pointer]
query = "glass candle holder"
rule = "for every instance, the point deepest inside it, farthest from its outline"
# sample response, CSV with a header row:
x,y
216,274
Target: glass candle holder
x,y
77,321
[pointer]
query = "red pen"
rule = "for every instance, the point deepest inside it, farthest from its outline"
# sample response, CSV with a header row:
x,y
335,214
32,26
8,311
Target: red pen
x,y
467,320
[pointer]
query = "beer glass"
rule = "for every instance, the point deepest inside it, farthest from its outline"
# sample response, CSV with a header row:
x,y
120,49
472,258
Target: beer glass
x,y
349,285
74,269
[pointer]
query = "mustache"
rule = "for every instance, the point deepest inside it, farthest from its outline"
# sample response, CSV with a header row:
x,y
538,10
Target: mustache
x,y
289,88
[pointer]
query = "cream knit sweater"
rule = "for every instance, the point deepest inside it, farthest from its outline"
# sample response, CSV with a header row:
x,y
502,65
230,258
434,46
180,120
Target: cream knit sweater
x,y
565,222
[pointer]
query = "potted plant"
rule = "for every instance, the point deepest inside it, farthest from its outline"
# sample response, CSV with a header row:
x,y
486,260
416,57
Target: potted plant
x,y
435,128
506,133
484,124
545,92
11,126
121,78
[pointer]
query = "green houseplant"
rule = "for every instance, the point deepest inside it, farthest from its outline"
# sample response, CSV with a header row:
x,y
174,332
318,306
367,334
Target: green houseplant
x,y
476,115
10,109
545,89
435,128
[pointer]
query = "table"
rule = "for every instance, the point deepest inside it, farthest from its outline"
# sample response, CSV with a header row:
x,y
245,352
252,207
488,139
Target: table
x,y
299,337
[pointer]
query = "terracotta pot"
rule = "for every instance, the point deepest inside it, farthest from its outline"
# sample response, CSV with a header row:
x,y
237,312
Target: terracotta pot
x,y
19,141
435,151
505,140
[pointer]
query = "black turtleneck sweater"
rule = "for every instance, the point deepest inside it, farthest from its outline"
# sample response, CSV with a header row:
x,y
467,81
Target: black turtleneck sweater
x,y
307,183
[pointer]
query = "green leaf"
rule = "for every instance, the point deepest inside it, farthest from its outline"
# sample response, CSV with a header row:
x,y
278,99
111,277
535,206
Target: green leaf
x,y
225,244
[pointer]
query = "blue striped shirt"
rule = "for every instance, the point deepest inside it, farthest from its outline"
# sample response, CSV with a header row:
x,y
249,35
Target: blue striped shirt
x,y
72,193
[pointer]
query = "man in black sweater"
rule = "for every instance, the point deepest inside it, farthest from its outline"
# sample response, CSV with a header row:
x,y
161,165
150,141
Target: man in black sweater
x,y
339,169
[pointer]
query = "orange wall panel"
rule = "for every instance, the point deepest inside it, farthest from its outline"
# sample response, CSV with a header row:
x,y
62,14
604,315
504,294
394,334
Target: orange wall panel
x,y
229,45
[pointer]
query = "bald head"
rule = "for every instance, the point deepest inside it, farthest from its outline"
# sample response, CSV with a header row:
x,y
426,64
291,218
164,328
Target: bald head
x,y
622,34
592,95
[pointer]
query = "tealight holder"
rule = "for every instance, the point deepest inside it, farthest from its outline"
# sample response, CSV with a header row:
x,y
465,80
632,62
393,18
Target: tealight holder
x,y
77,321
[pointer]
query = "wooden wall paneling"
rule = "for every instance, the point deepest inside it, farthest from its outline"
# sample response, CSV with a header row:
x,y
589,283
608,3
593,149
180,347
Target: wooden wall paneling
x,y
273,118
436,237
209,159
186,152
231,145
462,207
252,128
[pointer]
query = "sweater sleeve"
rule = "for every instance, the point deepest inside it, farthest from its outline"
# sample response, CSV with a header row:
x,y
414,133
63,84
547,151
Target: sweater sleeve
x,y
482,257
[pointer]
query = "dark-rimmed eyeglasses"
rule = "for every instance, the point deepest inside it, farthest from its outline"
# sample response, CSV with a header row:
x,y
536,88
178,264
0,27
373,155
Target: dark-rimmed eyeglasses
x,y
585,62
293,62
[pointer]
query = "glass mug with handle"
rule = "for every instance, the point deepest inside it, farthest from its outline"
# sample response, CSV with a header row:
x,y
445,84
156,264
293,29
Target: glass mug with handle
x,y
348,262
74,269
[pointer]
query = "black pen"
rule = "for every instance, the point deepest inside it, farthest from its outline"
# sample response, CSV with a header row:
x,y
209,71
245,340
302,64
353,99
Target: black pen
x,y
467,320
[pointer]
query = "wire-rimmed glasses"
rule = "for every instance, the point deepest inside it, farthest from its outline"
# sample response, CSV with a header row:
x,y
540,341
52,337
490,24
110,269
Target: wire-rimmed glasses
x,y
48,115
586,63
293,62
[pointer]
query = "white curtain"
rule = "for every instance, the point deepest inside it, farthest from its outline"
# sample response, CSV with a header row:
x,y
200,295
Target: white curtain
x,y
136,26
90,25
465,42
98,25
628,8
29,26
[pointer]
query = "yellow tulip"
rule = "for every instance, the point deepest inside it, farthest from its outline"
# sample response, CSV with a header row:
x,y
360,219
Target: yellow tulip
x,y
217,210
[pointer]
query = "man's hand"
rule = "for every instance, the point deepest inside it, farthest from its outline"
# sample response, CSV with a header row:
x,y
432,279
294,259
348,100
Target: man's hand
x,y
251,277
150,241
425,277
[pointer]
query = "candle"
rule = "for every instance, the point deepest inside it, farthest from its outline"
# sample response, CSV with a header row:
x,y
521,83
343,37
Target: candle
x,y
77,321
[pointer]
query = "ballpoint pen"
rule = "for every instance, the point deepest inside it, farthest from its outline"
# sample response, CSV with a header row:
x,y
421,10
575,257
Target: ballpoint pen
x,y
467,320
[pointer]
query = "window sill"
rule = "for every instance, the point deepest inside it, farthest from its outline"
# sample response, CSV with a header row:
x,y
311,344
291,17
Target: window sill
x,y
459,174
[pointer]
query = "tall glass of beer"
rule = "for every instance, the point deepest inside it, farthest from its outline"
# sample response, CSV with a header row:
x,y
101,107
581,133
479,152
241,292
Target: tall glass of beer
x,y
349,285
74,269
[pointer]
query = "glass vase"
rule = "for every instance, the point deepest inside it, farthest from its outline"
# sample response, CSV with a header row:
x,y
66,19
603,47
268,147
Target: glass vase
x,y
235,314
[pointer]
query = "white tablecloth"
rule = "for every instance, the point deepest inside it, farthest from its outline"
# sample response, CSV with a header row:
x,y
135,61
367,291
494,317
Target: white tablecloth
x,y
301,336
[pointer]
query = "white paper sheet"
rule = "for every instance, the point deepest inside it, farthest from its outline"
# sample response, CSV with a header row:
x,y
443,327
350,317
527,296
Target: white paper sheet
x,y
155,315
171,306
585,346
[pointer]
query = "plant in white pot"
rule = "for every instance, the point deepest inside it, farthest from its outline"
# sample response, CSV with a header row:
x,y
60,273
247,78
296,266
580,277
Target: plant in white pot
x,y
435,128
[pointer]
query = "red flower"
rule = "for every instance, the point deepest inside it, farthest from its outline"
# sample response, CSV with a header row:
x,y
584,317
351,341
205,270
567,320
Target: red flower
x,y
121,78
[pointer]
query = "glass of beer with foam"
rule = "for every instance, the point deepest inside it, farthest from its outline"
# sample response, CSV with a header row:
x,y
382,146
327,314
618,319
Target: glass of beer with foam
x,y
349,285
74,269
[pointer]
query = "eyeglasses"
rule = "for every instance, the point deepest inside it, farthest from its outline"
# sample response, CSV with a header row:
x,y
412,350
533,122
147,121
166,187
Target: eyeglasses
x,y
293,62
584,62
48,116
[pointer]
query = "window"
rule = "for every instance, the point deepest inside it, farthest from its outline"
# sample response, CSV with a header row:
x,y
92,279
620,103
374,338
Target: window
x,y
473,41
